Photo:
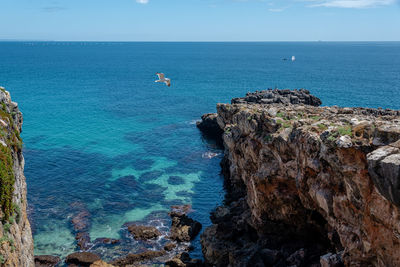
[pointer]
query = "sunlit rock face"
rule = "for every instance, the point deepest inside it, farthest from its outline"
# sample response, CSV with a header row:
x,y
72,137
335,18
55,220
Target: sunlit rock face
x,y
16,247
307,185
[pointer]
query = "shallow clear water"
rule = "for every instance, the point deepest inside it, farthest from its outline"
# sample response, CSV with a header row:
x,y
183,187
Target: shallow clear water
x,y
98,130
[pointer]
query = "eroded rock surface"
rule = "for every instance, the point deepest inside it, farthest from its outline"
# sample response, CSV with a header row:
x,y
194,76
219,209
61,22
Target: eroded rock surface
x,y
307,185
183,228
46,261
142,232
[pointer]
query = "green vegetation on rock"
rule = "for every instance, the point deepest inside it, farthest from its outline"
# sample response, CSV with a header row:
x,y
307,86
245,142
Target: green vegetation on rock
x,y
10,136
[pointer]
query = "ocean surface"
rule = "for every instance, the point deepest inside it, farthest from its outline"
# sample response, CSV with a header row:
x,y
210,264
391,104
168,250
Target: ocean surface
x,y
100,135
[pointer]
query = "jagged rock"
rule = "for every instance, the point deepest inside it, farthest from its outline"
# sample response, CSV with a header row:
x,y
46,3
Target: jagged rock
x,y
305,181
384,168
276,96
134,258
331,260
82,258
169,246
184,260
141,232
183,228
46,261
209,126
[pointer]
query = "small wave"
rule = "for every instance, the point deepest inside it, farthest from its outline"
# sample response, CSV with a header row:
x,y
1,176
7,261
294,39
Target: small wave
x,y
193,122
209,155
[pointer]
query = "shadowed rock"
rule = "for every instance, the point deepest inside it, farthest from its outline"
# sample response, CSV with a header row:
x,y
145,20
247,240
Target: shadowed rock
x,y
140,257
184,260
46,261
305,182
82,258
183,228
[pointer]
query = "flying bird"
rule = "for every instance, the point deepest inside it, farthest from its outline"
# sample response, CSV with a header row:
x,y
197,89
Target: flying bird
x,y
162,79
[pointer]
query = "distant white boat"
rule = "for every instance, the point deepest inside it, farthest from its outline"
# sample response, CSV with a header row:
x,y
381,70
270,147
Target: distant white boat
x,y
293,58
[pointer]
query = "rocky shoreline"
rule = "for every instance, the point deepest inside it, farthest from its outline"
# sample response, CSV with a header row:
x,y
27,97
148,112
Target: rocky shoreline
x,y
307,185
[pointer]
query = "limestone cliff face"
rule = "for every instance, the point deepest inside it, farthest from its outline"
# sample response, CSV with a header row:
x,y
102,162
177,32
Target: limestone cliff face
x,y
16,243
307,186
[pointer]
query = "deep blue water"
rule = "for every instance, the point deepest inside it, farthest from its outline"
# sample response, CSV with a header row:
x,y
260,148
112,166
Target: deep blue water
x,y
98,130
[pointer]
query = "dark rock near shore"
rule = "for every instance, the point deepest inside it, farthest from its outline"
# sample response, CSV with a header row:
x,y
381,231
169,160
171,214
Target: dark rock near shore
x,y
276,96
169,246
82,258
83,240
107,241
183,228
184,260
140,257
46,261
141,232
209,127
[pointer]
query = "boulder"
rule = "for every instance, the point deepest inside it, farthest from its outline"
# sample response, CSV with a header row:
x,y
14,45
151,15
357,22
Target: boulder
x,y
141,232
82,258
46,261
183,228
140,257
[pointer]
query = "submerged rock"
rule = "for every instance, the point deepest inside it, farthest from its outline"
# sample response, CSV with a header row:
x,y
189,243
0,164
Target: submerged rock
x,y
101,263
140,257
46,261
184,260
82,258
141,232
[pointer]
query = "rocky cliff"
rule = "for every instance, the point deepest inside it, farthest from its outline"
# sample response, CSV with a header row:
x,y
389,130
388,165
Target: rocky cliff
x,y
307,185
16,243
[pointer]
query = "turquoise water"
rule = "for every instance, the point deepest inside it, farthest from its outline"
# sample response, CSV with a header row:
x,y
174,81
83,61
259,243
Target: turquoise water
x,y
99,131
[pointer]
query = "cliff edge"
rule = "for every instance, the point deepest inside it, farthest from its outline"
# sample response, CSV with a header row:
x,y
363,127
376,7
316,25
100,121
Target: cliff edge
x,y
307,185
16,243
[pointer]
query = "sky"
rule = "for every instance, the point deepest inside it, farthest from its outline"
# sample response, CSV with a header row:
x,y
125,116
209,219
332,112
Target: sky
x,y
200,20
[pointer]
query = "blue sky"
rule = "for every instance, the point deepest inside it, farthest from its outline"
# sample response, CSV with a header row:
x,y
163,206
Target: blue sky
x,y
200,20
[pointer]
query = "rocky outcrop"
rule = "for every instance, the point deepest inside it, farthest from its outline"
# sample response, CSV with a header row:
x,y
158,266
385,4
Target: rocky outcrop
x,y
16,243
209,126
307,185
275,96
142,232
46,261
138,258
82,258
183,228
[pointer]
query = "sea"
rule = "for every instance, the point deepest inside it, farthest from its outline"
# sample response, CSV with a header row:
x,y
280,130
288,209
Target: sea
x,y
99,134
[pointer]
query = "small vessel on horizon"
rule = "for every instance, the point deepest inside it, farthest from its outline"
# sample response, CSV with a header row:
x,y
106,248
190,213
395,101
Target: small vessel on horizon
x,y
293,58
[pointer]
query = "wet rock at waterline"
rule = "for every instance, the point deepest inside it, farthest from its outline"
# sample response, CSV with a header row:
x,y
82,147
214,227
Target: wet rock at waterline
x,y
141,232
183,228
82,258
46,261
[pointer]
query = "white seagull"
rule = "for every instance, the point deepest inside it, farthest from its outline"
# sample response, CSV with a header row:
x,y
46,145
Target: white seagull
x,y
162,79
